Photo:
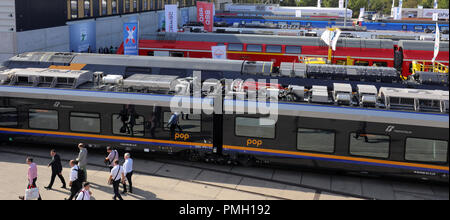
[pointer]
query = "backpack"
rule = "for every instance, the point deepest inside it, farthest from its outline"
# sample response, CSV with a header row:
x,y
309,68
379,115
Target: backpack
x,y
80,175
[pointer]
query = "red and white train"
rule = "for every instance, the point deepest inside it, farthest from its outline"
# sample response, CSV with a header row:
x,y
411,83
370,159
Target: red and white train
x,y
366,52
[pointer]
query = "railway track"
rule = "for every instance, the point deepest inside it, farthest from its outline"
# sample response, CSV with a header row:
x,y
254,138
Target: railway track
x,y
200,166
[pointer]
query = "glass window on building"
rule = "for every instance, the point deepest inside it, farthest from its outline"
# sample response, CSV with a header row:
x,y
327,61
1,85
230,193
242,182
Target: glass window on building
x,y
255,127
74,9
426,150
104,7
114,6
369,145
87,8
135,6
85,122
8,117
145,5
127,6
43,119
315,140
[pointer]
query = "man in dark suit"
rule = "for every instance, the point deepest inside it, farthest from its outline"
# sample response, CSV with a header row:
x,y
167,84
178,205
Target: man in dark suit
x,y
56,169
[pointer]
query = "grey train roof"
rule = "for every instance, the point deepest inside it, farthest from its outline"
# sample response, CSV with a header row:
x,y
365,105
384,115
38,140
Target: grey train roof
x,y
422,45
136,61
263,39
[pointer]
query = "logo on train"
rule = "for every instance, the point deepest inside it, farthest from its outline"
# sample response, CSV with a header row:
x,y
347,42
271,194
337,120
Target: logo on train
x,y
181,136
254,142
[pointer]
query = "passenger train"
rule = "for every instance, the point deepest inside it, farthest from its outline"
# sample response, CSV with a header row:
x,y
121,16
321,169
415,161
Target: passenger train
x,y
387,131
248,18
365,52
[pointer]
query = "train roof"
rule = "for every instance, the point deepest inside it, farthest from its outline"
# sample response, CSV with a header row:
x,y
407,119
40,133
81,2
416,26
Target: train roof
x,y
422,45
263,39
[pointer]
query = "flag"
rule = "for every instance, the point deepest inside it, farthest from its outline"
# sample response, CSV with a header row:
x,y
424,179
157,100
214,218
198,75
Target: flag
x,y
331,38
436,43
171,15
205,15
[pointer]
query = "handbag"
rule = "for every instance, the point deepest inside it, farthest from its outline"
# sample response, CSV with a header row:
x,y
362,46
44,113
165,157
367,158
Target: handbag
x,y
32,193
110,182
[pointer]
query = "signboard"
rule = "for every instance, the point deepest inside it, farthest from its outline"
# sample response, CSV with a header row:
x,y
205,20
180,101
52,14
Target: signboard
x,y
361,14
171,15
184,16
298,13
219,52
442,13
205,15
161,20
83,36
435,16
437,41
130,38
397,13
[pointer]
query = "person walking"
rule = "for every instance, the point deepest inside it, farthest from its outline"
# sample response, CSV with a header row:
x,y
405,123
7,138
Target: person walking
x,y
56,170
115,177
128,172
32,176
82,160
75,182
112,156
85,193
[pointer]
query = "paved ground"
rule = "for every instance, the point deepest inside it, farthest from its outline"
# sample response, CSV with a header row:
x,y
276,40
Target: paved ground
x,y
159,180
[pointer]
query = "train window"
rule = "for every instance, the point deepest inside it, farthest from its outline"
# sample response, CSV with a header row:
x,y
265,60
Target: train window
x,y
282,23
256,22
43,119
176,54
418,27
273,49
404,27
315,140
8,117
235,47
74,9
268,22
254,48
294,49
122,124
295,23
187,122
426,150
361,63
85,122
370,145
380,64
255,127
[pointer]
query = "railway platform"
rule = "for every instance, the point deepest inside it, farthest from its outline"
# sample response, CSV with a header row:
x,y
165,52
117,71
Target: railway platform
x,y
183,180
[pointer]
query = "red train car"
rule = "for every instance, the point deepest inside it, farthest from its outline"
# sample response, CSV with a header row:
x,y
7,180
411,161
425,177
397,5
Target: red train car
x,y
367,52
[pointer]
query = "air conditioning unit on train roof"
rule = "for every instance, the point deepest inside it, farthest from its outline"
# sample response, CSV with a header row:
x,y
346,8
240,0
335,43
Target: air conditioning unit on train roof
x,y
150,82
43,77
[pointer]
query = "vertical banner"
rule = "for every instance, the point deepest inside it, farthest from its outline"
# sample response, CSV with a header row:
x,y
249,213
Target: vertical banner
x,y
319,3
171,15
83,36
130,38
435,5
205,15
341,3
435,16
437,41
184,16
298,13
161,20
219,52
361,14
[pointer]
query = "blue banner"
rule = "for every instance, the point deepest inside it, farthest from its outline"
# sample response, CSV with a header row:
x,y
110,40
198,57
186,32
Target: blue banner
x,y
83,36
130,38
184,16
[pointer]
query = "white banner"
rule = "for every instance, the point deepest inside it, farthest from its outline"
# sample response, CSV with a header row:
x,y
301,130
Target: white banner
x,y
397,13
435,16
361,14
219,52
341,4
436,43
435,5
171,12
331,38
428,13
298,13
319,3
